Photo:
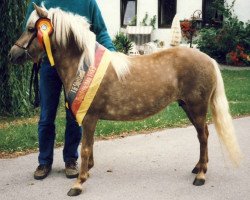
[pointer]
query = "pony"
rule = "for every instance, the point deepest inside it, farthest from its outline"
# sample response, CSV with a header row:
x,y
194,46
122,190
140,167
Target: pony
x,y
134,87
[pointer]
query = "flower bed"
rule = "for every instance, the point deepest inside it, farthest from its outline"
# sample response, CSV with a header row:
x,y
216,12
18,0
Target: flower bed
x,y
238,57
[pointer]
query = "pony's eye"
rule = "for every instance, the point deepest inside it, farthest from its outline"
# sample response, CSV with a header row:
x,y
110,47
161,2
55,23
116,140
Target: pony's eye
x,y
31,29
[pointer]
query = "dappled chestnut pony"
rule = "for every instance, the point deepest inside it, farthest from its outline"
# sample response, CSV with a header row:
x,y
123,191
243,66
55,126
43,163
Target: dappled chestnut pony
x,y
134,88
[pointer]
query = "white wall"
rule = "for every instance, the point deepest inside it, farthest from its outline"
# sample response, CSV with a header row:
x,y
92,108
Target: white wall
x,y
242,9
185,8
111,14
149,6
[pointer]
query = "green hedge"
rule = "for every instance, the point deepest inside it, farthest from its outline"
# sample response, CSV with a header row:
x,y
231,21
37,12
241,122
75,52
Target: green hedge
x,y
14,79
230,43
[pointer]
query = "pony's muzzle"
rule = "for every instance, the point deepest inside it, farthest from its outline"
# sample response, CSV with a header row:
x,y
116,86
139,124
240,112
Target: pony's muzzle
x,y
16,55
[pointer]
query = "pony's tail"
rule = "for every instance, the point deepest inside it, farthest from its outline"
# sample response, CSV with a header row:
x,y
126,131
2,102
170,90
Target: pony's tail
x,y
223,120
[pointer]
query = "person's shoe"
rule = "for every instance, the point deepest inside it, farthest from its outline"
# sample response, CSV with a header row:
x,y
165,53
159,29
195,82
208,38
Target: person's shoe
x,y
42,172
71,169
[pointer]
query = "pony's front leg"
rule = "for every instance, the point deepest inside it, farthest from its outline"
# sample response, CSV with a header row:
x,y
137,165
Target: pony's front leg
x,y
89,126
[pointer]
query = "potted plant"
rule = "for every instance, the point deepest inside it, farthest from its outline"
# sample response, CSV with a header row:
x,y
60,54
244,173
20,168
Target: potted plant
x,y
122,43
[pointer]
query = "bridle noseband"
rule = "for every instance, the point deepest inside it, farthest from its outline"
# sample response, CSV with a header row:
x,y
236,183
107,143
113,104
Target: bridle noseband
x,y
25,47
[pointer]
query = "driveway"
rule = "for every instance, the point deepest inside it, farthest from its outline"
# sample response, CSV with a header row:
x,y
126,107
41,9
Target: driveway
x,y
141,167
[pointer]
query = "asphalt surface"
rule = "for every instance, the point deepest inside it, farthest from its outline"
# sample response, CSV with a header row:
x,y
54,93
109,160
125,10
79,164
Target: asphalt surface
x,y
141,167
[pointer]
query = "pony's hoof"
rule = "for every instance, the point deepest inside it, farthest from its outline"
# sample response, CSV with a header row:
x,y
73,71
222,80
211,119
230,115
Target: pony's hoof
x,y
195,170
74,192
199,182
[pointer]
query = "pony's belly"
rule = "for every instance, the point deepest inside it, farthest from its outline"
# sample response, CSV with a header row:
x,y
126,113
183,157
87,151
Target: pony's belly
x,y
134,110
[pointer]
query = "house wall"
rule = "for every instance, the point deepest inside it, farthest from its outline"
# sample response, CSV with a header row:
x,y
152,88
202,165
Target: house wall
x,y
184,10
242,9
111,14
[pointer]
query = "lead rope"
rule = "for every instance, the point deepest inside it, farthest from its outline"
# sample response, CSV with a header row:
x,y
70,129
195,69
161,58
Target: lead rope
x,y
34,82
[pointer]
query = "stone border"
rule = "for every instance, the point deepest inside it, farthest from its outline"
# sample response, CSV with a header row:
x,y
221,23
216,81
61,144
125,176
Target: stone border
x,y
230,67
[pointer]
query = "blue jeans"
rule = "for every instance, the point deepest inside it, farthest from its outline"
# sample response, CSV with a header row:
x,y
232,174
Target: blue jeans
x,y
50,89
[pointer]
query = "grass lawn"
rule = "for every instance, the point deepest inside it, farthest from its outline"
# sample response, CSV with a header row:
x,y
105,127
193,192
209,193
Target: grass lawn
x,y
18,135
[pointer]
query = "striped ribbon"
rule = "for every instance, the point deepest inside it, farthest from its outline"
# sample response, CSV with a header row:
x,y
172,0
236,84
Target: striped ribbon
x,y
86,85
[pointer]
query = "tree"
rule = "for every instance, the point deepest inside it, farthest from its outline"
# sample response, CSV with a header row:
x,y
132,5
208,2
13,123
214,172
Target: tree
x,y
14,79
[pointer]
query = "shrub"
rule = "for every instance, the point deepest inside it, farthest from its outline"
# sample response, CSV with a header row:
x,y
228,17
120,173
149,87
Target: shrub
x,y
218,43
14,80
238,57
207,42
122,43
229,44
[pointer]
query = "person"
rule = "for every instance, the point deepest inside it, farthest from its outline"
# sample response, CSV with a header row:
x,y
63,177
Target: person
x,y
50,89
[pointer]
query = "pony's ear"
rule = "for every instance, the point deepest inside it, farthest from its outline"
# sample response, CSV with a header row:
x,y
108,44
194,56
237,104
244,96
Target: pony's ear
x,y
40,11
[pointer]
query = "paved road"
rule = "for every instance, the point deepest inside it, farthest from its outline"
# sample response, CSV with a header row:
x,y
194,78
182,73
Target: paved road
x,y
143,167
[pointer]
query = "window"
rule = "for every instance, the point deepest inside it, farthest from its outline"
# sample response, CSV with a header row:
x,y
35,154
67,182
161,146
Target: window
x,y
128,12
210,15
166,12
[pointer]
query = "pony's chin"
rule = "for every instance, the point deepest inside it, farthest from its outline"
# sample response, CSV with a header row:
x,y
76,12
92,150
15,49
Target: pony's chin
x,y
20,60
17,56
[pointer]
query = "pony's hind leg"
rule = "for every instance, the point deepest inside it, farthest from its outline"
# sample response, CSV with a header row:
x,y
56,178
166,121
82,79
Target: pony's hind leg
x,y
197,115
91,159
86,154
201,167
201,139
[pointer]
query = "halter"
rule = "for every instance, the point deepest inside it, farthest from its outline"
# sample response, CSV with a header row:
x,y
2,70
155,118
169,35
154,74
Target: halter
x,y
44,29
26,46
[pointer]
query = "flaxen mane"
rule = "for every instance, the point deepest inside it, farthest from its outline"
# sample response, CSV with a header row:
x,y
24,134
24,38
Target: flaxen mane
x,y
66,23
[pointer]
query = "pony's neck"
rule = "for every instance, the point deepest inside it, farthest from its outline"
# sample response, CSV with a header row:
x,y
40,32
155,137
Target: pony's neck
x,y
67,62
